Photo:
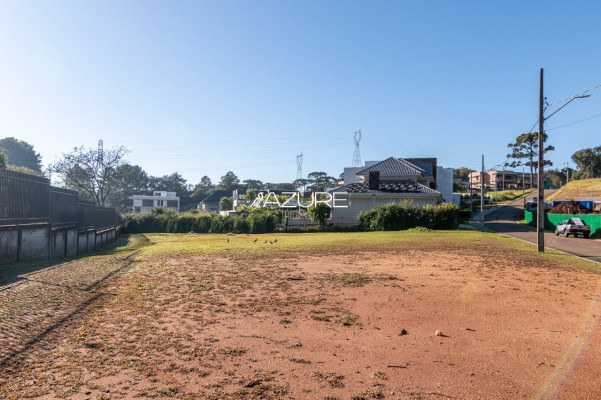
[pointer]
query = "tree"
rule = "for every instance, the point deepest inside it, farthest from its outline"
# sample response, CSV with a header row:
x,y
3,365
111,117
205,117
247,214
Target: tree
x,y
289,187
2,159
300,183
251,195
92,174
253,184
21,154
171,183
556,177
526,147
319,213
201,189
462,173
229,181
226,204
320,181
129,180
588,162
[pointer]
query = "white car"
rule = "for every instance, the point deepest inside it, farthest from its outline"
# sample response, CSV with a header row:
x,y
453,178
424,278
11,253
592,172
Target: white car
x,y
574,227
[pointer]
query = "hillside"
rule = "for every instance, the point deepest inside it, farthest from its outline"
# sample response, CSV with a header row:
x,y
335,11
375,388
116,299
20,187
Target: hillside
x,y
578,189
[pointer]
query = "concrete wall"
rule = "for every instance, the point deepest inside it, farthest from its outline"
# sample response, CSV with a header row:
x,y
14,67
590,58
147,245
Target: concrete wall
x,y
40,241
34,243
58,245
91,241
9,244
363,202
72,246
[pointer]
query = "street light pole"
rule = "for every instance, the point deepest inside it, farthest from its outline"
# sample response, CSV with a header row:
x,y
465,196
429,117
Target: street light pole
x,y
540,220
540,208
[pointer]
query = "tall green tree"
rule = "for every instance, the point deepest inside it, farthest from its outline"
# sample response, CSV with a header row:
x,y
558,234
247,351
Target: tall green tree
x,y
462,173
525,147
229,181
130,180
588,162
320,181
201,189
319,213
253,184
2,159
556,177
226,204
90,173
172,183
21,154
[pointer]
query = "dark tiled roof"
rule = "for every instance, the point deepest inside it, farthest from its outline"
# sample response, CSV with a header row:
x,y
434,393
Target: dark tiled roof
x,y
216,196
425,165
393,166
387,187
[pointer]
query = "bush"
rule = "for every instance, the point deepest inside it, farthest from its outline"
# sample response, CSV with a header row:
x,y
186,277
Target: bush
x,y
262,221
405,216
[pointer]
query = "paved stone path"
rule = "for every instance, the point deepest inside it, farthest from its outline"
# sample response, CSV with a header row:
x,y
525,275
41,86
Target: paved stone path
x,y
33,303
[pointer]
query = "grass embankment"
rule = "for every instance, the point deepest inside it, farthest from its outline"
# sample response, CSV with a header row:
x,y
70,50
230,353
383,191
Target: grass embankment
x,y
578,189
507,196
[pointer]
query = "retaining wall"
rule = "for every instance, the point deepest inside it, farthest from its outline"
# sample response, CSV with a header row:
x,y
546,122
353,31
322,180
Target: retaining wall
x,y
27,242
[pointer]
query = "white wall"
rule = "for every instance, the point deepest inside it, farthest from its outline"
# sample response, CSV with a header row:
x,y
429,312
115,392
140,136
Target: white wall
x,y
365,202
444,184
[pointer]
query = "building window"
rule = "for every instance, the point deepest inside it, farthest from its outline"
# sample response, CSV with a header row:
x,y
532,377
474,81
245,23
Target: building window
x,y
172,203
147,203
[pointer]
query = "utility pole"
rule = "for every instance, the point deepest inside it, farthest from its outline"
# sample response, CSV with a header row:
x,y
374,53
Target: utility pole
x,y
482,192
567,173
540,220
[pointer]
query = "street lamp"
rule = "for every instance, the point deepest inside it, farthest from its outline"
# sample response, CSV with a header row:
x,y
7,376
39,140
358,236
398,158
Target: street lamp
x,y
540,220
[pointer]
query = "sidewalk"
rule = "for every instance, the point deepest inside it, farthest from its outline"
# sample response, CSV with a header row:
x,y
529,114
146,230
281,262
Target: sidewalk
x,y
477,220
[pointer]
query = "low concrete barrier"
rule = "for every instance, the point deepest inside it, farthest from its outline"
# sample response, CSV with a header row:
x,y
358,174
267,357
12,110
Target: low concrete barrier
x,y
27,242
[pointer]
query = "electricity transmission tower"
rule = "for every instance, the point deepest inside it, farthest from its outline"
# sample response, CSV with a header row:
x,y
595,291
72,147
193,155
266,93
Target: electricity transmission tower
x,y
357,154
299,166
100,150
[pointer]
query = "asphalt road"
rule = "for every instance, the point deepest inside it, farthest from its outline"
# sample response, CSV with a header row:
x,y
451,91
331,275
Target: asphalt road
x,y
504,219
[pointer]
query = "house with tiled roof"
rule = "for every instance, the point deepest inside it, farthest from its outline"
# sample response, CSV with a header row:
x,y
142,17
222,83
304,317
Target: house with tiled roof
x,y
393,180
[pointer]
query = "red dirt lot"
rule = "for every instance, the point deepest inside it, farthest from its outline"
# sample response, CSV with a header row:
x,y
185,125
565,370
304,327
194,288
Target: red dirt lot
x,y
400,321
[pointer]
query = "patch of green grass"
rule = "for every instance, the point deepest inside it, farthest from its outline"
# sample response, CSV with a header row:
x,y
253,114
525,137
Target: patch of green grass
x,y
243,247
353,279
507,196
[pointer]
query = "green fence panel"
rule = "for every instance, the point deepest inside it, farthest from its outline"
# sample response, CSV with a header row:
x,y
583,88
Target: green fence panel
x,y
552,220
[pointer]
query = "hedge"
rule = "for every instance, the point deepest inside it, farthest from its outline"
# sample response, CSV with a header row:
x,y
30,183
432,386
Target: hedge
x,y
166,221
402,216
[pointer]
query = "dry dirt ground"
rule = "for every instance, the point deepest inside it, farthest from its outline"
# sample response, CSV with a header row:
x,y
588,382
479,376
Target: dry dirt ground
x,y
425,319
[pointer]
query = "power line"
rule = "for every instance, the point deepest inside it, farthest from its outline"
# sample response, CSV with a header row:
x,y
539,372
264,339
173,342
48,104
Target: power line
x,y
575,122
570,98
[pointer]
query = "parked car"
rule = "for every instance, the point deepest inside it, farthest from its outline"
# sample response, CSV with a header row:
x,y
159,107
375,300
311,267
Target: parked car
x,y
574,227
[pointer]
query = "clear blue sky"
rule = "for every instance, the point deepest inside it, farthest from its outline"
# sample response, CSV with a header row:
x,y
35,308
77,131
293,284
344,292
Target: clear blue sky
x,y
204,87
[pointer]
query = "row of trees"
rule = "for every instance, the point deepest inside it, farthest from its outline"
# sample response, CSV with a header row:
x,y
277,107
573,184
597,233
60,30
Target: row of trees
x,y
109,179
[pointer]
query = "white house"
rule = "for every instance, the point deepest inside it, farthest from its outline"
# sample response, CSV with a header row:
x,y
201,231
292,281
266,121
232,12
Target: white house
x,y
393,180
143,203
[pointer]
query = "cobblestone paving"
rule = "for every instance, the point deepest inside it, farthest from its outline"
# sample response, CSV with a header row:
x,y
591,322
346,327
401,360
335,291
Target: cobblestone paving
x,y
36,302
